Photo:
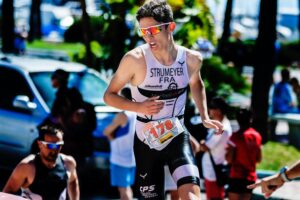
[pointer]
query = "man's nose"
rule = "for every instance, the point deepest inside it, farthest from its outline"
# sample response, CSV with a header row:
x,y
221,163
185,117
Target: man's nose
x,y
148,35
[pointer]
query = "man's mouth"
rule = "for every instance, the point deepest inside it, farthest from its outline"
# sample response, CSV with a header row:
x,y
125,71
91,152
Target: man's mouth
x,y
52,157
152,44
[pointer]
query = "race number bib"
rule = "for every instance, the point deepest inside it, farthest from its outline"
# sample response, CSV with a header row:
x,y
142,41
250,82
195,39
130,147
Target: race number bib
x,y
158,134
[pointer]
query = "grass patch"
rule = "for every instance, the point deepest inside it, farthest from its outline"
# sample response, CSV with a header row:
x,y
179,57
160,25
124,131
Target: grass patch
x,y
277,155
70,48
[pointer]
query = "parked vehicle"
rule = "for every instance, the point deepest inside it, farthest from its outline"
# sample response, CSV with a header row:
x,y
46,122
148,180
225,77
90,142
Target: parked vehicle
x,y
26,96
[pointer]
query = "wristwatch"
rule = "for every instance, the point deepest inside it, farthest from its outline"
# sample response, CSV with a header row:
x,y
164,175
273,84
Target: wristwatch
x,y
283,174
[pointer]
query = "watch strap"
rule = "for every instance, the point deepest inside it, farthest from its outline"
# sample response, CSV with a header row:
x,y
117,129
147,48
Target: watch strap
x,y
283,174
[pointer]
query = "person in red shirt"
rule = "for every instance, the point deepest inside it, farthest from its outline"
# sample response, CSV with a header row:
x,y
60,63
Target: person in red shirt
x,y
243,152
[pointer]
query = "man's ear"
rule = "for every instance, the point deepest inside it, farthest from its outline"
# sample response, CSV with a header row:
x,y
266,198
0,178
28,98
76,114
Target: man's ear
x,y
39,143
172,26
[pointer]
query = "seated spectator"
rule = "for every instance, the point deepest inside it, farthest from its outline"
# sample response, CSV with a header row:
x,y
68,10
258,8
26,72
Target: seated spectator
x,y
283,98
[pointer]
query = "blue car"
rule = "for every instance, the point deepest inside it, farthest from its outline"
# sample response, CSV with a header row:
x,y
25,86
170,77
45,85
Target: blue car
x,y
26,96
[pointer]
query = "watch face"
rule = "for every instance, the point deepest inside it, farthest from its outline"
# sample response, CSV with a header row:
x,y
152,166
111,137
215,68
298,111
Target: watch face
x,y
282,170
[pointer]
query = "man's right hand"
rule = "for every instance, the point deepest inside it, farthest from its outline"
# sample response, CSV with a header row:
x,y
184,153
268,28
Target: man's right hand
x,y
268,184
151,106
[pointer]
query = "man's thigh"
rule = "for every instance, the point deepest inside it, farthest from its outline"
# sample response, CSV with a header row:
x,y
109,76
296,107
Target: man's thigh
x,y
150,171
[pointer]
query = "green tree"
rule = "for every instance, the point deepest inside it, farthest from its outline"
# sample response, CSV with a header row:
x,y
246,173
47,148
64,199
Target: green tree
x,y
35,31
117,38
264,65
299,21
86,30
116,30
226,26
8,25
194,20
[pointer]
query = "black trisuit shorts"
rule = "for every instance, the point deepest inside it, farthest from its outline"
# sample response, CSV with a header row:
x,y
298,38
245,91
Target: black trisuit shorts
x,y
150,163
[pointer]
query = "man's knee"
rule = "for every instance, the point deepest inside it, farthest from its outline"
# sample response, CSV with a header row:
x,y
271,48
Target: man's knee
x,y
189,191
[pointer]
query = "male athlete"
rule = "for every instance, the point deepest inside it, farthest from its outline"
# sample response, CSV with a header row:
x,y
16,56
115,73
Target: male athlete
x,y
159,73
47,175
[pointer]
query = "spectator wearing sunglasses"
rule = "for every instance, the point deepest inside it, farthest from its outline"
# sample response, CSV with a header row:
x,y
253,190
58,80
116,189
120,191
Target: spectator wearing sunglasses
x,y
48,174
159,73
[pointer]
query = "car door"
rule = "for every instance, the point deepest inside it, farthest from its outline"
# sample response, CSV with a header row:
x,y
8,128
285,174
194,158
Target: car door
x,y
17,127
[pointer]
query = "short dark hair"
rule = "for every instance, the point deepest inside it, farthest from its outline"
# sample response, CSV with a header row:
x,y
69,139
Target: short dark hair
x,y
285,75
159,10
218,103
61,75
48,130
244,117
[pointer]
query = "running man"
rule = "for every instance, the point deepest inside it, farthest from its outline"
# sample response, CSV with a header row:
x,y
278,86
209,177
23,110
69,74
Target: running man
x,y
48,174
159,73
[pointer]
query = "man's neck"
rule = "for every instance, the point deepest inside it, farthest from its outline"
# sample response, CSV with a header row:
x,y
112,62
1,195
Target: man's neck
x,y
48,164
166,56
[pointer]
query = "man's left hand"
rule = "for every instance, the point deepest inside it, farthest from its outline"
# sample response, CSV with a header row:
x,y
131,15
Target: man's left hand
x,y
214,124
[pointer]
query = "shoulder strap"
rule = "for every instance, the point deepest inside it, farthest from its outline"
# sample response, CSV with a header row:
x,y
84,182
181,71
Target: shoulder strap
x,y
212,160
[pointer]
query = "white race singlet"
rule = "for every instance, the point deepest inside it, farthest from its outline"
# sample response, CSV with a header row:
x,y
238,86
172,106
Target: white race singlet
x,y
168,82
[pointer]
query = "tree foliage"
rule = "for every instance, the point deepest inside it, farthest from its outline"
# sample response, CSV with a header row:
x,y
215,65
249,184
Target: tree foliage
x,y
195,20
222,80
116,29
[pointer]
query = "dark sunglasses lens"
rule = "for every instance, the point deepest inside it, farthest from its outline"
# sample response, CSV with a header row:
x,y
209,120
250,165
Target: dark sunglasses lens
x,y
54,146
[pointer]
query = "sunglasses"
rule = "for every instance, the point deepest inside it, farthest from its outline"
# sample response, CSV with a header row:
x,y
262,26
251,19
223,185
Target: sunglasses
x,y
152,30
52,146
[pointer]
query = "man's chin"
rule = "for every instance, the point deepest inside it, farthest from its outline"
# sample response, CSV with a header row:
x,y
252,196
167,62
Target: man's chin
x,y
51,158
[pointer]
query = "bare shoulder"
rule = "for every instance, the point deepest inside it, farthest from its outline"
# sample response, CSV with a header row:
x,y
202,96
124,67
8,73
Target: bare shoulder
x,y
30,158
26,166
194,58
194,61
132,67
134,56
69,161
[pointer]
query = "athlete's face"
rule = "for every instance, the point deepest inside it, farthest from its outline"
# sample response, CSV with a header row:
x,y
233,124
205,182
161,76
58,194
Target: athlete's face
x,y
50,147
156,34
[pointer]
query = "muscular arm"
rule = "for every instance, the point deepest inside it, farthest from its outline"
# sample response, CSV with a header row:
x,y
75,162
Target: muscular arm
x,y
197,85
294,171
73,185
195,144
119,120
230,154
123,75
130,70
259,155
272,183
194,61
19,177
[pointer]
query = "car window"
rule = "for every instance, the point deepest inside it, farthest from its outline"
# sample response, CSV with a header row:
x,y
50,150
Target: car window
x,y
12,83
91,86
42,81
